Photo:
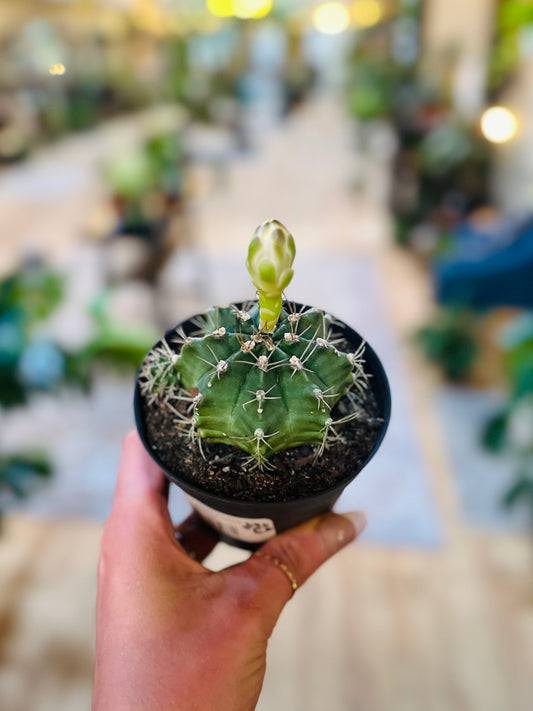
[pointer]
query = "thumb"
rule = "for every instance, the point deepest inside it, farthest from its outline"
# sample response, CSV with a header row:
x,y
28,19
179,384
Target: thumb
x,y
285,562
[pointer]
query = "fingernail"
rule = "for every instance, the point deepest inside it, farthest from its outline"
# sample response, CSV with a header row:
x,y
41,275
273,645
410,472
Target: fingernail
x,y
358,520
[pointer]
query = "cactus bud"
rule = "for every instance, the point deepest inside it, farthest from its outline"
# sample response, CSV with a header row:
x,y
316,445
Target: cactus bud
x,y
270,257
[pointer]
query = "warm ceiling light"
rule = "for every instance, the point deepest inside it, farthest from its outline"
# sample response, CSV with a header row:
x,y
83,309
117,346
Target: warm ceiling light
x,y
220,8
366,13
243,9
498,124
246,9
331,18
57,69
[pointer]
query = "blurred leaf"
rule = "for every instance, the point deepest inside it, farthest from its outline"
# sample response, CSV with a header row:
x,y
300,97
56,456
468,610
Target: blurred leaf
x,y
12,393
444,148
12,339
518,331
521,490
19,472
121,345
31,295
493,435
519,365
130,175
369,101
78,369
514,14
450,342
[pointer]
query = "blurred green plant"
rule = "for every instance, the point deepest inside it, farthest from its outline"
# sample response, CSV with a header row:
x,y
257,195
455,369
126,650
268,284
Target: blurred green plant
x,y
203,93
31,361
146,182
441,165
28,360
511,428
451,342
121,346
20,472
373,83
443,148
382,67
448,169
514,19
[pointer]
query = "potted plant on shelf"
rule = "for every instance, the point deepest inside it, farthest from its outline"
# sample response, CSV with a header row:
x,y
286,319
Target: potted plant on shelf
x,y
262,411
146,184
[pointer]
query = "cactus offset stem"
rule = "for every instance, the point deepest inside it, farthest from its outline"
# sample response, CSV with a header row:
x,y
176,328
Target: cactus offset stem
x,y
270,257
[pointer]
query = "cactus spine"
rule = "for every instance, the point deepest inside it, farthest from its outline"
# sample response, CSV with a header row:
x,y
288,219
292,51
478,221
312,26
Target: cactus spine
x,y
263,378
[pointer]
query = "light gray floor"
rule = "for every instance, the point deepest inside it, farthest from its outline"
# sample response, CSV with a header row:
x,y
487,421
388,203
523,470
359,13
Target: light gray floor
x,y
482,478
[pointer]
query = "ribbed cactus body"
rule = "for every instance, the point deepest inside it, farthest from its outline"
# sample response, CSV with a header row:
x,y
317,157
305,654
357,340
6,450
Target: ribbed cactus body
x,y
261,392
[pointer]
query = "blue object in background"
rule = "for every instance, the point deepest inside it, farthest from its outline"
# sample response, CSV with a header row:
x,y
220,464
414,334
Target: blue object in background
x,y
42,365
488,270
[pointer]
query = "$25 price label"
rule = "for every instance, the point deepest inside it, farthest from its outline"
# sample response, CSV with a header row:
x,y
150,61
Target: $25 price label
x,y
250,530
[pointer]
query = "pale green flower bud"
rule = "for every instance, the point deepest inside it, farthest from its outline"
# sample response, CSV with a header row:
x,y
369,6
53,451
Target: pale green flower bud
x,y
270,257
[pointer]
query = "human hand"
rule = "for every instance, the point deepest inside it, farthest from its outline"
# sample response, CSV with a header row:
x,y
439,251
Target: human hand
x,y
173,635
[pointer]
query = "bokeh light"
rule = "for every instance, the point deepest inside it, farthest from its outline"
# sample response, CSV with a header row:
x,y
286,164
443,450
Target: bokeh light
x,y
220,8
243,9
57,69
246,9
366,13
331,18
498,124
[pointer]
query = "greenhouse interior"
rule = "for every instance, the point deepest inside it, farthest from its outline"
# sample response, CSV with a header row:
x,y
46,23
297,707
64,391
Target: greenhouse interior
x,y
143,143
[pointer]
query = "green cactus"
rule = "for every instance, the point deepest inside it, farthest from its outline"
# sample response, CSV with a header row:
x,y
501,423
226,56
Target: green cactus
x,y
260,378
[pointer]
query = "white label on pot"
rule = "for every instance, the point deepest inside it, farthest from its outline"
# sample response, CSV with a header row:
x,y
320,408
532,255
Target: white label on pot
x,y
250,530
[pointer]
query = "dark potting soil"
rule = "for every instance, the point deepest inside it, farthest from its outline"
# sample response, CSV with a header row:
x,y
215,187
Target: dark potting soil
x,y
296,474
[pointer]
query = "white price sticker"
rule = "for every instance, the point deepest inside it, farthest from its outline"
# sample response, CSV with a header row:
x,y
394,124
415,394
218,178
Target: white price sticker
x,y
249,530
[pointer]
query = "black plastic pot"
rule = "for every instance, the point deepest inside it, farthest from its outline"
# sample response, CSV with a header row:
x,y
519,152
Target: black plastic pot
x,y
249,523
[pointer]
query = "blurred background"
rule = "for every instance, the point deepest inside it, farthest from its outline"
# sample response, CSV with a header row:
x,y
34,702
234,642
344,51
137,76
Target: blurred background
x,y
141,143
